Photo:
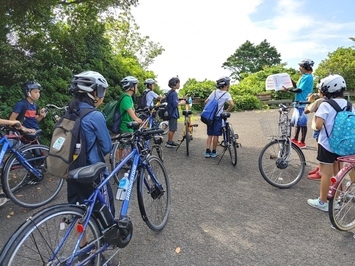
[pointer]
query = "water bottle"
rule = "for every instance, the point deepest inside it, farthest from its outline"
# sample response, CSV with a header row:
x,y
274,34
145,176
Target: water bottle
x,y
122,188
76,151
189,101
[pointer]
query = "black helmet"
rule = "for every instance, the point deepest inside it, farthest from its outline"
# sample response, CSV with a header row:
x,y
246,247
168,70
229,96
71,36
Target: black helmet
x,y
128,82
307,64
30,85
173,81
223,81
88,82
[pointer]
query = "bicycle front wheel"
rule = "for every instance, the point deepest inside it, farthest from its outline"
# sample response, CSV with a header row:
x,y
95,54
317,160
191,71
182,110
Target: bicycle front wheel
x,y
232,147
187,136
342,205
25,188
280,164
49,238
154,194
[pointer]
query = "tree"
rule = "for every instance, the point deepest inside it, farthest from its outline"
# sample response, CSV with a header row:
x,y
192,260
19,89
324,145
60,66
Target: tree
x,y
342,62
250,58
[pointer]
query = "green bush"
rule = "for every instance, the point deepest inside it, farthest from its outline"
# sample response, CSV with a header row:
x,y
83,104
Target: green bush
x,y
247,102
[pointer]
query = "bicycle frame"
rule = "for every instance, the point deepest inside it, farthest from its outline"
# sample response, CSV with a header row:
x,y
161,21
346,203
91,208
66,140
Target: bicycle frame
x,y
139,160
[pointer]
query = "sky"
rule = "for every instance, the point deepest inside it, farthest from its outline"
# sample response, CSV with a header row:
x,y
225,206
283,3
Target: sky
x,y
199,35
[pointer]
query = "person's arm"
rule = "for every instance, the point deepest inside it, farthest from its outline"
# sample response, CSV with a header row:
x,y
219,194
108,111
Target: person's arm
x,y
319,123
230,105
9,122
42,114
132,114
102,134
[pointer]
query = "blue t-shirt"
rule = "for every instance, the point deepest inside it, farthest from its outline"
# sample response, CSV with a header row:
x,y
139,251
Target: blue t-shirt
x,y
27,113
306,85
173,102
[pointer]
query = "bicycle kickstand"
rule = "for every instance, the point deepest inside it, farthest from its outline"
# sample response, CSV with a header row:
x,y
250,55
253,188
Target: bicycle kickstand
x,y
220,158
180,143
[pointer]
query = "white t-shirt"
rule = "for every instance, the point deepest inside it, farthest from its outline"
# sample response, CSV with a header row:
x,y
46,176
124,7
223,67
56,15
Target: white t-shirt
x,y
222,97
328,113
151,95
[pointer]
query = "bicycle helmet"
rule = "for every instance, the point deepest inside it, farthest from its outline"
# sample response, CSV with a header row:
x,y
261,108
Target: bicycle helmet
x,y
128,82
30,85
149,82
306,63
332,83
223,81
173,81
87,82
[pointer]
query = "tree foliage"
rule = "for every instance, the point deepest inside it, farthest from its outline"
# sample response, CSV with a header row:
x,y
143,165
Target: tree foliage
x,y
342,62
250,58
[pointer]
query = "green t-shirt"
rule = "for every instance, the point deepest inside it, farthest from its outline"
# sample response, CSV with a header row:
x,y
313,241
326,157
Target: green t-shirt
x,y
126,103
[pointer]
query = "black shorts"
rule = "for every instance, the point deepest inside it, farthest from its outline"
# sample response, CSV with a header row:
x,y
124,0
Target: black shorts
x,y
326,157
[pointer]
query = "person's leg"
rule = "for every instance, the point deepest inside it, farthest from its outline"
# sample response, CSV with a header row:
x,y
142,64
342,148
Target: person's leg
x,y
217,131
208,146
303,133
326,171
170,136
214,143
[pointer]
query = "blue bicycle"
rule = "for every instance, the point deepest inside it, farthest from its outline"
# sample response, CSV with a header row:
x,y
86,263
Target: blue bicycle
x,y
78,234
24,179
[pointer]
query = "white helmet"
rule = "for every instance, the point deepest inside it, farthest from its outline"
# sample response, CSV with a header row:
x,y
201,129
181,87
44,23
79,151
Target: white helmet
x,y
88,81
332,83
306,63
128,82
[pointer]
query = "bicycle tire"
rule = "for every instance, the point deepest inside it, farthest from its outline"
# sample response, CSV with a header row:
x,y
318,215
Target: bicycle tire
x,y
232,147
150,196
114,162
34,242
22,187
342,205
187,136
278,172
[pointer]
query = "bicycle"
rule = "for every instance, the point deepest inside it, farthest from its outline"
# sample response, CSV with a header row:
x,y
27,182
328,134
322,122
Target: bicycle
x,y
23,178
53,236
188,129
281,162
229,141
341,195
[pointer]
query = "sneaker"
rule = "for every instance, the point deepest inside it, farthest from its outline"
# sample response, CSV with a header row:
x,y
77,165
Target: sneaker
x,y
301,145
214,154
315,170
3,201
315,176
294,141
207,155
171,144
316,204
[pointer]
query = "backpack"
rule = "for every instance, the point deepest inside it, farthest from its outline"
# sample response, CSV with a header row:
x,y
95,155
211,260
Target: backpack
x,y
113,116
342,137
163,112
64,140
142,100
210,110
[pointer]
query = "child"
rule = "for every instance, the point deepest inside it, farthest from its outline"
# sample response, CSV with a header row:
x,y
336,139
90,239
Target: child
x,y
333,88
173,103
215,130
312,108
27,110
126,109
151,95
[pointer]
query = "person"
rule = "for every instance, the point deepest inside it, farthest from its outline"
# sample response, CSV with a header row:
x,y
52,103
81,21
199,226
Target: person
x,y
130,86
173,103
332,87
303,88
27,110
88,89
316,100
151,95
215,130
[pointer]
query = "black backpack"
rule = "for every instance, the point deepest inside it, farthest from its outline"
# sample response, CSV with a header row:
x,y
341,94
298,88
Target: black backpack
x,y
67,133
164,113
142,100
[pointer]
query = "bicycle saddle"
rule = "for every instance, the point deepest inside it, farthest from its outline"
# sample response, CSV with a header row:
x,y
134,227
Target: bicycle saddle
x,y
186,112
87,174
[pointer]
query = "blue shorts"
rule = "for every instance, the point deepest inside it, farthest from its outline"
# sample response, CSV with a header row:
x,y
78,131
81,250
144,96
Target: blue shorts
x,y
216,128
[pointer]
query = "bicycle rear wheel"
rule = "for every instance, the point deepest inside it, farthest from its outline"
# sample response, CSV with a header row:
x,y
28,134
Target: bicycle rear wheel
x,y
23,187
35,242
187,136
114,160
154,194
280,165
342,205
